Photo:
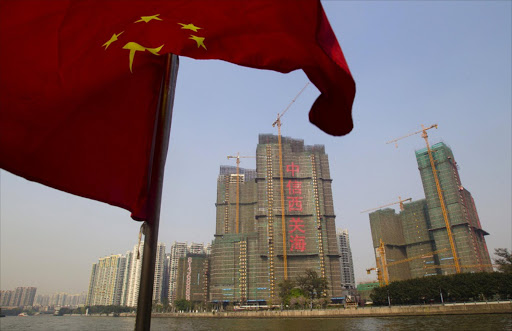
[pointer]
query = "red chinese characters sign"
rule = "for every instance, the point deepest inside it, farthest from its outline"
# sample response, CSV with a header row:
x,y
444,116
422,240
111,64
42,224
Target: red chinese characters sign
x,y
296,226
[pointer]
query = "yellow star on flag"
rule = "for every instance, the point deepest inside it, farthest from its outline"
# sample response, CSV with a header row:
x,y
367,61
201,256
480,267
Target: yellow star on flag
x,y
190,27
134,47
149,18
199,41
112,39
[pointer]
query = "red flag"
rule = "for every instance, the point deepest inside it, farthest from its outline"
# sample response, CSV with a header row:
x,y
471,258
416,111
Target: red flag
x,y
79,80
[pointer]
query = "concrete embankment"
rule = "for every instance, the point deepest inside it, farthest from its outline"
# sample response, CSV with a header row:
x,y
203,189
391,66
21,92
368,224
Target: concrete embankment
x,y
448,309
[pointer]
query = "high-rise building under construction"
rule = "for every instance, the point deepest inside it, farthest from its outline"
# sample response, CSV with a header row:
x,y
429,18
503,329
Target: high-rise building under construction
x,y
419,235
268,230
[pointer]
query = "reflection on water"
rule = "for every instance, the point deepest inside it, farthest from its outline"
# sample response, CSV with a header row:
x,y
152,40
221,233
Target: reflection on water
x,y
454,322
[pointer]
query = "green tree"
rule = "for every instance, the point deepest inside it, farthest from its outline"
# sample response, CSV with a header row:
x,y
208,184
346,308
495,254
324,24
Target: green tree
x,y
458,287
165,304
312,285
64,310
323,302
504,260
293,302
287,290
301,301
182,305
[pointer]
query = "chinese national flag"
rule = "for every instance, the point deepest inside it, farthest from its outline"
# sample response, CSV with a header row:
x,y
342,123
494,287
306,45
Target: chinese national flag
x,y
80,80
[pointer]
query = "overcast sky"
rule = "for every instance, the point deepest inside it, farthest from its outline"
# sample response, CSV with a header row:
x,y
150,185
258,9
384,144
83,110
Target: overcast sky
x,y
416,62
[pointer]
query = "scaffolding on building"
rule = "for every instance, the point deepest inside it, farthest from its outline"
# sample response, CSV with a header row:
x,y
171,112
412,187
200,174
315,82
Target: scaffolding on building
x,y
247,266
424,135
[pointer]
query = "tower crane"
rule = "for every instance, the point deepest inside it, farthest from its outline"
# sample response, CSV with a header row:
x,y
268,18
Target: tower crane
x,y
379,274
424,135
237,157
383,264
277,123
415,257
380,259
400,201
469,266
386,265
380,251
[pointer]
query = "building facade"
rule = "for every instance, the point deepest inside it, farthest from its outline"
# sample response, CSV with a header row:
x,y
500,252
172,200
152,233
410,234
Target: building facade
x,y
158,287
178,250
132,287
5,297
418,234
346,264
467,233
61,299
126,278
105,284
272,230
20,297
24,296
191,277
115,279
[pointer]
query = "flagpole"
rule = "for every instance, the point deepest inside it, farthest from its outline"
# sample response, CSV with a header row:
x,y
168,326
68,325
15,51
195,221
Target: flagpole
x,y
160,146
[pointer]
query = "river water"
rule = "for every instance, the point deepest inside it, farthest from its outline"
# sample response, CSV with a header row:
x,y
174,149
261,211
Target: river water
x,y
447,322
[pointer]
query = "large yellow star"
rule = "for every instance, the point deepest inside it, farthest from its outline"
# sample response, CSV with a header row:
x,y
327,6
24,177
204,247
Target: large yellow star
x,y
199,41
112,39
190,27
149,18
134,47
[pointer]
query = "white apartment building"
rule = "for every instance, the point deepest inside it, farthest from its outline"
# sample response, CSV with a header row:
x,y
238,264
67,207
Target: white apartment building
x,y
177,250
346,263
106,280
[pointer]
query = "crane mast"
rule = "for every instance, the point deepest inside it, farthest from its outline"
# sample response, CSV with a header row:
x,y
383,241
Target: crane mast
x,y
277,123
380,261
281,184
237,213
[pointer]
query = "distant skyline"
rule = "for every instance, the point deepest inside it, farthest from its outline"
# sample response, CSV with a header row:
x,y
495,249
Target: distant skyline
x,y
424,62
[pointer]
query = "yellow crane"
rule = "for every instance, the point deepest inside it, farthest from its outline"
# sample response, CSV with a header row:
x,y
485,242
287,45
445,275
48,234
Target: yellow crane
x,y
422,256
400,201
383,264
424,135
237,214
379,274
277,123
469,266
380,260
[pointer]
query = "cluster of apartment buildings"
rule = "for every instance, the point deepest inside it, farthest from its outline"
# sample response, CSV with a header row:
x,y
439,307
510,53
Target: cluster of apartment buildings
x,y
115,279
276,221
26,297
60,299
21,296
272,223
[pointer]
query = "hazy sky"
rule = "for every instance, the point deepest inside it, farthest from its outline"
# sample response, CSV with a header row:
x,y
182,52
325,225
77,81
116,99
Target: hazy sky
x,y
414,63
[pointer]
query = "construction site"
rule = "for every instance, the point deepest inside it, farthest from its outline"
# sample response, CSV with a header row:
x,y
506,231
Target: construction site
x,y
440,234
274,222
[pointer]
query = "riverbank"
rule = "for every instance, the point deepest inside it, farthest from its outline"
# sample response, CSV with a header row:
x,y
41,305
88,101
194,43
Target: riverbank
x,y
421,310
434,322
